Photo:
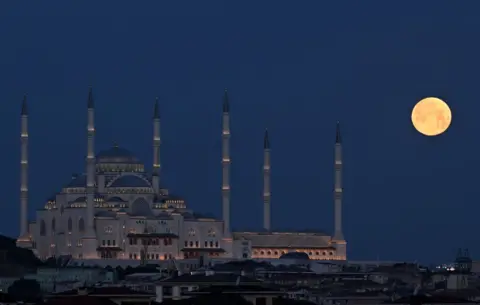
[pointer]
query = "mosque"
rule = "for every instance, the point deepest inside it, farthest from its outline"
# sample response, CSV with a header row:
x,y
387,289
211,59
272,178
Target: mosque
x,y
117,210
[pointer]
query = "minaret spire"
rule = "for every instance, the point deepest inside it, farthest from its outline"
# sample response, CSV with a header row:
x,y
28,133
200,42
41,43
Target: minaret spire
x,y
226,103
24,106
338,137
156,148
23,240
226,163
266,183
90,238
90,102
338,237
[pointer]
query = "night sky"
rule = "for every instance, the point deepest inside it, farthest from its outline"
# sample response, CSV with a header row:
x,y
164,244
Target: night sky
x,y
294,67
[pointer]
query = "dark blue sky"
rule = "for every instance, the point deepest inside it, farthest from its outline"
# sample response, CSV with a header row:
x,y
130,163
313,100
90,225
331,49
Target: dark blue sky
x,y
292,66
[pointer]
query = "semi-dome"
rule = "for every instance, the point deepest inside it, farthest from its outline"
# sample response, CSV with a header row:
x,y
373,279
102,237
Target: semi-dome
x,y
130,181
117,154
140,207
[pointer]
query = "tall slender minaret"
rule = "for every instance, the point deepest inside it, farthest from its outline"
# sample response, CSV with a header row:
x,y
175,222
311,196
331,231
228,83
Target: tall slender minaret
x,y
338,240
266,183
24,171
90,239
156,148
338,192
226,163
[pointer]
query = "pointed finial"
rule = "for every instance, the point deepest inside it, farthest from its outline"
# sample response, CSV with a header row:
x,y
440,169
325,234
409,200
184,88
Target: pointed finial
x,y
24,106
266,141
156,111
226,104
90,104
338,138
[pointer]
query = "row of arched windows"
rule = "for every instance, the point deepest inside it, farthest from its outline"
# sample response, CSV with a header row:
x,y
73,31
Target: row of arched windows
x,y
43,227
207,244
284,252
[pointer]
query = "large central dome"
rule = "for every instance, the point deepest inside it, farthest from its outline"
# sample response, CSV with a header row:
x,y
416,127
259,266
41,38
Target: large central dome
x,y
117,154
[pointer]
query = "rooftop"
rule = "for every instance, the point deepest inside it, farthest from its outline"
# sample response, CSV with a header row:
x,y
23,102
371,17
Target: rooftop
x,y
220,279
111,291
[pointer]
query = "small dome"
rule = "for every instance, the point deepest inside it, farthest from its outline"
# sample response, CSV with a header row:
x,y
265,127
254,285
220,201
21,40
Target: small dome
x,y
187,215
117,155
163,215
129,181
80,200
115,200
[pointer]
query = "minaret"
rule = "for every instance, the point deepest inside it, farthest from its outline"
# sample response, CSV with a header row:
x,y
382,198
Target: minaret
x,y
156,148
338,237
266,183
338,185
24,172
90,239
226,163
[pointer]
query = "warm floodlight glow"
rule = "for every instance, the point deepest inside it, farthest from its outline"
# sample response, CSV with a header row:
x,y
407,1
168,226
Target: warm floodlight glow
x,y
431,116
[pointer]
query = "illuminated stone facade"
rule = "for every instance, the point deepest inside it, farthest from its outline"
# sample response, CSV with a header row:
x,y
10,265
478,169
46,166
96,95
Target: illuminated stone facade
x,y
117,210
316,245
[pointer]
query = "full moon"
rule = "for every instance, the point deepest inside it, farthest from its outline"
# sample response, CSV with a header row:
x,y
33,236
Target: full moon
x,y
431,116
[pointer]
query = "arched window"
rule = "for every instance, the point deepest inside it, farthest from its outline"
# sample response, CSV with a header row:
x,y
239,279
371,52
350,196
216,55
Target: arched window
x,y
81,225
42,228
70,224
